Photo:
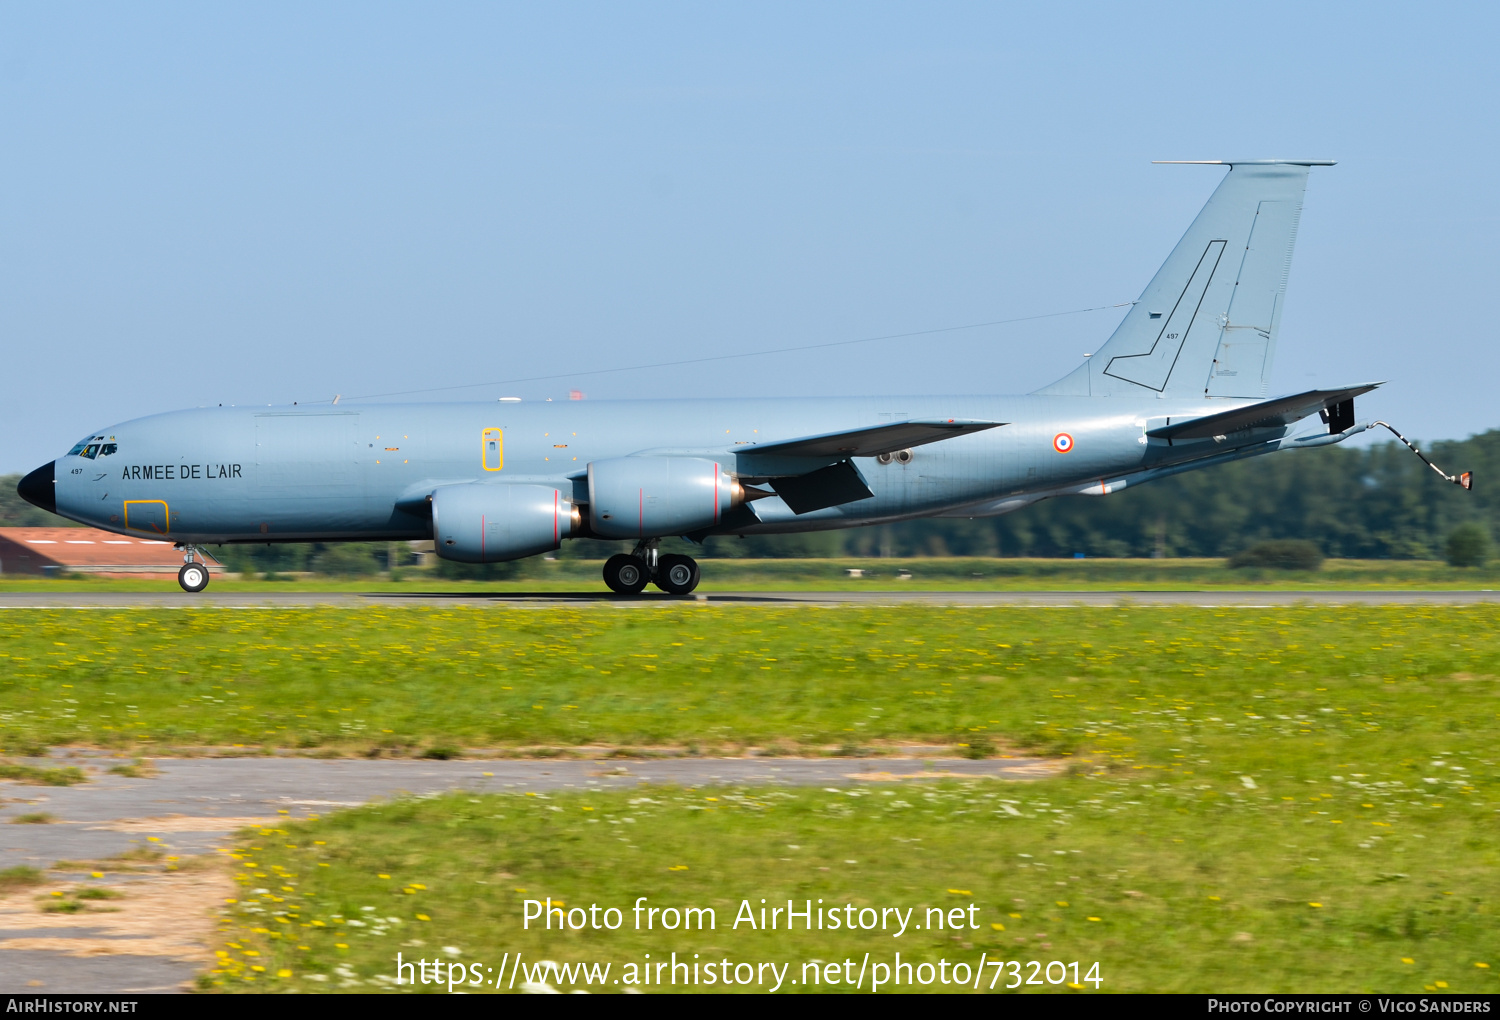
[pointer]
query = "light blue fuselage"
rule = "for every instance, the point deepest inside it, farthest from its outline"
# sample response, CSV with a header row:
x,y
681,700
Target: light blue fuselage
x,y
235,474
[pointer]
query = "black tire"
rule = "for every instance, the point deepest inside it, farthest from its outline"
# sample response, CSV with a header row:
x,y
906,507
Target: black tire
x,y
626,575
677,575
193,576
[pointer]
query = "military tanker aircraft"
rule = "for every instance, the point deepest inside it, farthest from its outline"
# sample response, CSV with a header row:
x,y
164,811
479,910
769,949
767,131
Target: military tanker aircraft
x,y
1180,385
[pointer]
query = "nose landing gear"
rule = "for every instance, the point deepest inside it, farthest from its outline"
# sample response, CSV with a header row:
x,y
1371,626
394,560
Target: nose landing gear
x,y
194,575
628,574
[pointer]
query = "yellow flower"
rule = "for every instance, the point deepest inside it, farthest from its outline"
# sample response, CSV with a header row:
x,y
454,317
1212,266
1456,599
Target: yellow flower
x,y
1093,919
423,917
1315,904
960,892
997,926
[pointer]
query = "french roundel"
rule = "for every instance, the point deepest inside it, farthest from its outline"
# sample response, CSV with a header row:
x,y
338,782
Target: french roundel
x,y
1062,442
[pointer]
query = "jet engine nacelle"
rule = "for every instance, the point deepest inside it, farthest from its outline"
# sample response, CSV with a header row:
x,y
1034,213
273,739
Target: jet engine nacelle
x,y
648,497
478,523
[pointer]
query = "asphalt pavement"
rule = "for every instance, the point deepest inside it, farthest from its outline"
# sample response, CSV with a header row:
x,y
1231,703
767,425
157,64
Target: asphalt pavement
x,y
175,598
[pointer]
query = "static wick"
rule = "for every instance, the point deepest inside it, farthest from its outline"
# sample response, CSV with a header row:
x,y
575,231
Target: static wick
x,y
1466,480
336,397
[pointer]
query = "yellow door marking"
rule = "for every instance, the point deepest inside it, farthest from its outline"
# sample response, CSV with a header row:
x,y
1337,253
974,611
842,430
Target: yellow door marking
x,y
165,516
492,445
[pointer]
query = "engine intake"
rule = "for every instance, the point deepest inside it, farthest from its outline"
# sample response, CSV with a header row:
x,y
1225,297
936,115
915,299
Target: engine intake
x,y
648,497
479,523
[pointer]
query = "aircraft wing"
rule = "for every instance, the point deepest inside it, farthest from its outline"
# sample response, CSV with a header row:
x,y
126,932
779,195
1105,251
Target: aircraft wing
x,y
1267,414
875,440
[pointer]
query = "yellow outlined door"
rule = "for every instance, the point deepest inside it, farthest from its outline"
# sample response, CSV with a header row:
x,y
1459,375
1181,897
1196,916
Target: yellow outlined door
x,y
148,515
493,445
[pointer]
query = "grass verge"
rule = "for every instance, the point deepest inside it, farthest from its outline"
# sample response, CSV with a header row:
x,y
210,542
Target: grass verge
x,y
415,680
40,775
1175,880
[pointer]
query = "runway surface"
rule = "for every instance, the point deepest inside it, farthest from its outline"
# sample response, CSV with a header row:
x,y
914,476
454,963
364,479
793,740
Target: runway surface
x,y
175,598
193,805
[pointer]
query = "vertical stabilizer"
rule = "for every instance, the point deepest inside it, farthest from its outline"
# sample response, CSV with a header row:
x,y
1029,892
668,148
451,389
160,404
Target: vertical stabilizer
x,y
1207,322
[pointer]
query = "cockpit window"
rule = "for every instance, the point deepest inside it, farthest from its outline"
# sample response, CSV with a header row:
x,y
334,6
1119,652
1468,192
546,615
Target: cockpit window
x,y
107,449
78,449
91,451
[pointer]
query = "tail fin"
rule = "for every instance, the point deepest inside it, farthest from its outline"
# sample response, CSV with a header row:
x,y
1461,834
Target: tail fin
x,y
1206,324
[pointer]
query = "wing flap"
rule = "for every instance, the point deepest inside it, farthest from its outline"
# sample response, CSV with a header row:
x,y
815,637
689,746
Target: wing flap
x,y
1277,413
875,440
834,485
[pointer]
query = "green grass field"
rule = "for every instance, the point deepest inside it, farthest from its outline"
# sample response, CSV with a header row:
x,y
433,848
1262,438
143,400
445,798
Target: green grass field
x,y
927,574
713,678
1286,799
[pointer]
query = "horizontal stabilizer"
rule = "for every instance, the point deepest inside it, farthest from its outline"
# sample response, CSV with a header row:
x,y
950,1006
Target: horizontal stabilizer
x,y
1267,414
875,440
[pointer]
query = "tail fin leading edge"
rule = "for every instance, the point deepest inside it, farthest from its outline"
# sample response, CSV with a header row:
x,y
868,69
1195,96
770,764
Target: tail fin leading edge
x,y
1207,322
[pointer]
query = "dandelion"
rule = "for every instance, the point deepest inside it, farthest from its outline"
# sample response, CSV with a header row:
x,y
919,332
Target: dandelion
x,y
1407,959
422,917
961,892
1094,919
997,926
1315,904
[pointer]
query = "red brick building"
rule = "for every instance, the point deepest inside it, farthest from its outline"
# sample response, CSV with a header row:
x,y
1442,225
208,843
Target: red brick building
x,y
86,551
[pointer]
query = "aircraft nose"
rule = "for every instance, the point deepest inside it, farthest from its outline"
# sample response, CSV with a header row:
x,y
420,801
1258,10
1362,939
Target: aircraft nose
x,y
40,487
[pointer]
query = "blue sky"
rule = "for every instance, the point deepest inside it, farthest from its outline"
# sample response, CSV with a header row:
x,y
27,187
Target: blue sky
x,y
261,203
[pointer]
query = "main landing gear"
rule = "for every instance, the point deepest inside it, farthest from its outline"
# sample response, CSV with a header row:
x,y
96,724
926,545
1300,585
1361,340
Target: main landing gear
x,y
194,575
628,574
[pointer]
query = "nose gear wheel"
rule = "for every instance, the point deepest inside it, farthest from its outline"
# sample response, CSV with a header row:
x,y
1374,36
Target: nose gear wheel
x,y
193,576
